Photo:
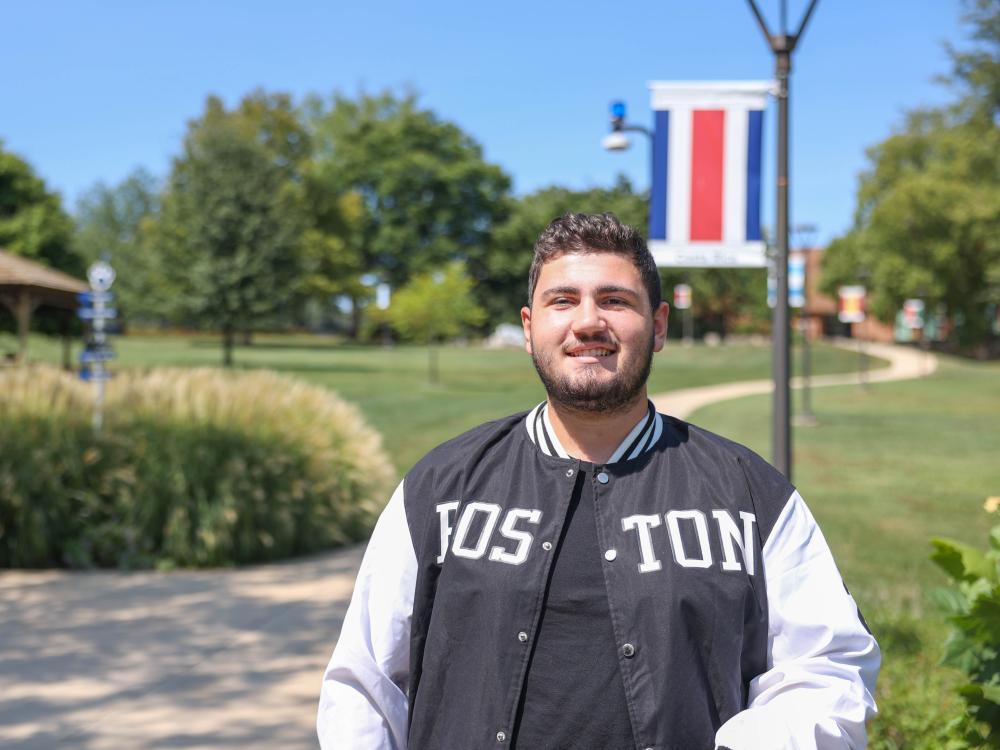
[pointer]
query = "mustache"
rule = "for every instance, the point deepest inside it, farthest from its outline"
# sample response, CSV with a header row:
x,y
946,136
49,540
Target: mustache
x,y
588,340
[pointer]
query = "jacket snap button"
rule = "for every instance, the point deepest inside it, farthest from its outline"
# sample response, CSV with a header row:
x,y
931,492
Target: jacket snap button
x,y
569,472
501,736
522,637
546,546
628,650
610,555
603,478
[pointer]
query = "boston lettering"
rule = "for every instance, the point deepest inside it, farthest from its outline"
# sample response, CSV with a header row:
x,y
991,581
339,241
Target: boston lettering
x,y
680,535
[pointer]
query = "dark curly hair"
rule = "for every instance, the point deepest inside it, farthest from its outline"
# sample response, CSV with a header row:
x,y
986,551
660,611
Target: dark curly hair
x,y
595,233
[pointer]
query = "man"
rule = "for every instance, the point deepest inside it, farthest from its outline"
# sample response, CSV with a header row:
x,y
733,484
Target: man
x,y
593,574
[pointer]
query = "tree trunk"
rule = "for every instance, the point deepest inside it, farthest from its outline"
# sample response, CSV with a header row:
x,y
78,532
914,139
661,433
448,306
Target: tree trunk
x,y
355,328
228,334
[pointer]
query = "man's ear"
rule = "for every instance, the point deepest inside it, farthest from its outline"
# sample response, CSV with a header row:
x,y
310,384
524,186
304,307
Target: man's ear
x,y
526,325
660,316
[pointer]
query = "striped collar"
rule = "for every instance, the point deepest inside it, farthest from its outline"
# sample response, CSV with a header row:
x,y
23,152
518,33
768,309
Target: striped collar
x,y
641,438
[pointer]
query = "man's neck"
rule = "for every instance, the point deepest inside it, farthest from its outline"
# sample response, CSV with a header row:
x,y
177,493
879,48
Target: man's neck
x,y
594,436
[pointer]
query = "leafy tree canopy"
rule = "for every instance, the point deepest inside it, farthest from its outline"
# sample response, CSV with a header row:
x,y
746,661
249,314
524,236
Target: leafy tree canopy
x,y
434,307
428,194
32,220
927,222
116,220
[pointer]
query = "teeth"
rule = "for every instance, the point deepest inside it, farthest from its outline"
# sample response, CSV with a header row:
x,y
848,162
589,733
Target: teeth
x,y
591,353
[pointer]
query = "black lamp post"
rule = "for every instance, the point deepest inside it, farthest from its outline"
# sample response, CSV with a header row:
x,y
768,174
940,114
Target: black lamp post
x,y
782,45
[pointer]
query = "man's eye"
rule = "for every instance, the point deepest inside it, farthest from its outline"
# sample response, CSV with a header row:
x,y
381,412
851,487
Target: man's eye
x,y
617,301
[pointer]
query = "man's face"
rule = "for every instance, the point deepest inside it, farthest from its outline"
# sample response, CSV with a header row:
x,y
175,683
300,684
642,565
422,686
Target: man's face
x,y
591,333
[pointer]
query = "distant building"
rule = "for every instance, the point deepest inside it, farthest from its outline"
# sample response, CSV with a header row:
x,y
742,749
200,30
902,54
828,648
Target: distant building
x,y
820,310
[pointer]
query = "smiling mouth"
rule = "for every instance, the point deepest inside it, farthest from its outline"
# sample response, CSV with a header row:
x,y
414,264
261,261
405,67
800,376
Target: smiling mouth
x,y
591,353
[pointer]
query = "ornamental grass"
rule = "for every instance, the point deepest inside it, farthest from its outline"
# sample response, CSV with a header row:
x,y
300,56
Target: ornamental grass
x,y
192,468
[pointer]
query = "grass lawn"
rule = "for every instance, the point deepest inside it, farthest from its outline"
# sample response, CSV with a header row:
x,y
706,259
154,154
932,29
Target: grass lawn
x,y
884,471
391,384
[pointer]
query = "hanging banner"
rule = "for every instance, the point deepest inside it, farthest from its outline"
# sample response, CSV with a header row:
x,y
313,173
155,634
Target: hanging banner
x,y
705,196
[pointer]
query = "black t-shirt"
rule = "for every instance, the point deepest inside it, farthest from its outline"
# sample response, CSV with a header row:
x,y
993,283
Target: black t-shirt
x,y
573,694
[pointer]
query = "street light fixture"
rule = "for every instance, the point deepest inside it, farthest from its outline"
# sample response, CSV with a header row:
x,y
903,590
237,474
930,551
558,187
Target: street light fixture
x,y
617,140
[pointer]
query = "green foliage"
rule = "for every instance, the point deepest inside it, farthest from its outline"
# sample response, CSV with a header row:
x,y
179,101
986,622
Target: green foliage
x,y
974,644
230,230
927,222
429,195
116,220
32,220
193,468
435,307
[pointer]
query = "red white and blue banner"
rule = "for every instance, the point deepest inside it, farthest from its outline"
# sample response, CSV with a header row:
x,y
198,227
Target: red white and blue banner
x,y
705,198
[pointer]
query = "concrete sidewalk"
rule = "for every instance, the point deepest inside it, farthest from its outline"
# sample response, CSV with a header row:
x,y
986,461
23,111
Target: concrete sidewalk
x,y
211,659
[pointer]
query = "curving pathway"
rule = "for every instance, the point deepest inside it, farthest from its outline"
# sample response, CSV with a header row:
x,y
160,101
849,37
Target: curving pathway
x,y
904,364
211,659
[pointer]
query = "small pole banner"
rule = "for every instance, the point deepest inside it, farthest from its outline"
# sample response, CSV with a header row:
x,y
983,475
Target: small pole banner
x,y
682,296
852,304
797,280
913,313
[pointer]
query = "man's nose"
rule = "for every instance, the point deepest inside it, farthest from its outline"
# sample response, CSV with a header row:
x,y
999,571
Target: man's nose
x,y
588,318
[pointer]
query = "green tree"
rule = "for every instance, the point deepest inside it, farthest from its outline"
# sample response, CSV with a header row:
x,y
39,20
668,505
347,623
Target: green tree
x,y
429,196
115,220
435,307
229,231
271,120
927,222
32,220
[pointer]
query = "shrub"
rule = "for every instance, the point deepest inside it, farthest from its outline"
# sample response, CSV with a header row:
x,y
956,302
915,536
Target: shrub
x,y
192,468
974,644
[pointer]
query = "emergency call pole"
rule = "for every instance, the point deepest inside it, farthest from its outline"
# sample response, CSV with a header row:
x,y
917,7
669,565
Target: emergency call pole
x,y
782,45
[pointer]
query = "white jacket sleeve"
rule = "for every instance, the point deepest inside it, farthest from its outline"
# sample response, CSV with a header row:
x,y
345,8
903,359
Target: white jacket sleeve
x,y
822,662
363,702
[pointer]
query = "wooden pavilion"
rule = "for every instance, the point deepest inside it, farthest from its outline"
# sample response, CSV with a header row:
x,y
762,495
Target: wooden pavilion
x,y
25,286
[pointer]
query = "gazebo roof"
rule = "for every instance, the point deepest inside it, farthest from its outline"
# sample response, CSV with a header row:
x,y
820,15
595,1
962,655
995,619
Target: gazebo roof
x,y
18,271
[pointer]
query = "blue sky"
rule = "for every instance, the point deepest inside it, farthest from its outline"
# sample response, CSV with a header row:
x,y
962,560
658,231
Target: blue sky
x,y
91,90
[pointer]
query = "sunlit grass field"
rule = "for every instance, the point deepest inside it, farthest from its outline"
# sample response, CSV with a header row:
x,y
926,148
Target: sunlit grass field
x,y
884,471
392,387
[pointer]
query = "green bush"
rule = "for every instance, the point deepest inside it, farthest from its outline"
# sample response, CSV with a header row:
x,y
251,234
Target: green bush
x,y
974,644
192,468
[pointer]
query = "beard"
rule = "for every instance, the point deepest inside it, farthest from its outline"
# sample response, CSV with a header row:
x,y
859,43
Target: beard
x,y
586,391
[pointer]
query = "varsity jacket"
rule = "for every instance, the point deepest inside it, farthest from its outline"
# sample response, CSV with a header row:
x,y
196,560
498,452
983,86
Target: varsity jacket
x,y
733,627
